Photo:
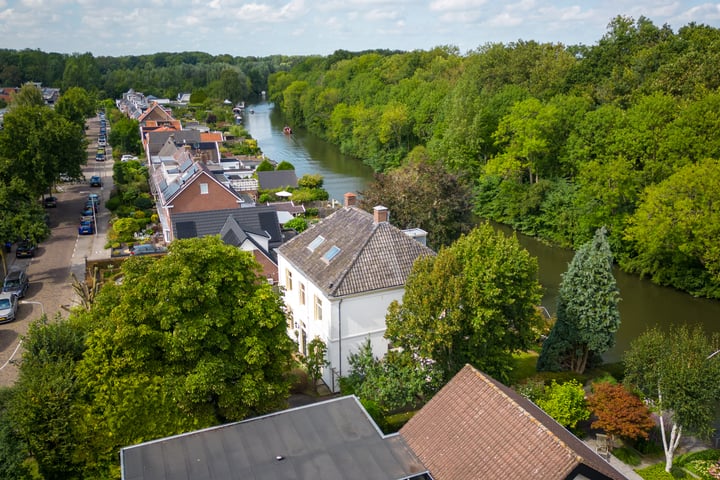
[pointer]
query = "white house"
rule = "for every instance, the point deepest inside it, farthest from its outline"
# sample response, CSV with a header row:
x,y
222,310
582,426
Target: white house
x,y
339,278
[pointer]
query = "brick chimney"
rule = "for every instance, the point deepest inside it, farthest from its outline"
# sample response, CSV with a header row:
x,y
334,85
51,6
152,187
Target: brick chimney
x,y
381,214
350,199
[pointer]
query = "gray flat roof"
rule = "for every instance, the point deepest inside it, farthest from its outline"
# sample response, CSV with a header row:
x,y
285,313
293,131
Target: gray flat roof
x,y
334,440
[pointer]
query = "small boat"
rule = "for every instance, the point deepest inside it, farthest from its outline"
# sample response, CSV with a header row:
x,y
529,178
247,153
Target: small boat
x,y
287,130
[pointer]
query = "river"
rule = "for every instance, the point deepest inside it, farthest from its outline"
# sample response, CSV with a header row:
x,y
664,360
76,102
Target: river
x,y
643,304
306,152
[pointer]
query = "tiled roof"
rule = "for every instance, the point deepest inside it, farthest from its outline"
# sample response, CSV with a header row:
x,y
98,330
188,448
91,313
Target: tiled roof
x,y
256,220
475,427
372,256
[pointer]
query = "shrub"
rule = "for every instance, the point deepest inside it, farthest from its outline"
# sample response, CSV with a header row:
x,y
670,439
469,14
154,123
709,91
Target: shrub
x,y
113,203
565,403
310,181
627,455
143,201
284,165
299,224
265,166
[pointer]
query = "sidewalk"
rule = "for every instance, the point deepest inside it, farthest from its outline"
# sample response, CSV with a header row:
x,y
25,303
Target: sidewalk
x,y
620,466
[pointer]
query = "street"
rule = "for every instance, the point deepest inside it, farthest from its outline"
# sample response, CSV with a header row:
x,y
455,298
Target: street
x,y
63,253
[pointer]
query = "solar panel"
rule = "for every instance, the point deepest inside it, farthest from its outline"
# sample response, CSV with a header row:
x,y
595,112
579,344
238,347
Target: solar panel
x,y
186,229
186,164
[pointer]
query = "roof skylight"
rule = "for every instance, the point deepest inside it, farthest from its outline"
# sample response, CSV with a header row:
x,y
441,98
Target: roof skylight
x,y
316,243
332,253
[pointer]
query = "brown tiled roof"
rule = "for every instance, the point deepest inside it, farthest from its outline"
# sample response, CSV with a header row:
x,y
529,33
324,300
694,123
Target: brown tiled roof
x,y
372,256
475,427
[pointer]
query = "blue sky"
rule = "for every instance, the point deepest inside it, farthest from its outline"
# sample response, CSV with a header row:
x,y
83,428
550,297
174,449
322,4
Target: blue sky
x,y
305,27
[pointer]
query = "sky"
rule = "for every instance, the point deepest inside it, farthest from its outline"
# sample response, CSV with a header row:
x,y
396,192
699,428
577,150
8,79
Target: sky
x,y
319,27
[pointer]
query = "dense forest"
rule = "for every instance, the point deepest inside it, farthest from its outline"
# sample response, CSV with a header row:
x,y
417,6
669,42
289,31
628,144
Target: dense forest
x,y
161,74
556,140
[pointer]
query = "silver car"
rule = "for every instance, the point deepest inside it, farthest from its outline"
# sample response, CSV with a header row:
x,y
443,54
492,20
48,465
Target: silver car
x,y
8,307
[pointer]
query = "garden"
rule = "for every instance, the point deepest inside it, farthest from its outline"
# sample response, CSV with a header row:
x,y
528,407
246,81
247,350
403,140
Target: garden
x,y
134,220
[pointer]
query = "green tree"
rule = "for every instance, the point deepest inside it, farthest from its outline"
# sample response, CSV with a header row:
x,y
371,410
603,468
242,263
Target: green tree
x,y
565,402
675,228
39,145
285,165
311,181
42,409
265,166
423,194
315,360
75,105
124,136
13,449
587,314
186,341
472,303
398,380
676,373
22,216
29,95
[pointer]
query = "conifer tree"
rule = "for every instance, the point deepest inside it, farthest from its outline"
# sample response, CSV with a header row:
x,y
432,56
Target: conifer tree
x,y
587,314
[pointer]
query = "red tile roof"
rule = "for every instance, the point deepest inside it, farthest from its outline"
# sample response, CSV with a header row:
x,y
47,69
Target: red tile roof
x,y
477,428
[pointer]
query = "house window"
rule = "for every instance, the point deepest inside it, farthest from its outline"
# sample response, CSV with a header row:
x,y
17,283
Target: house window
x,y
302,294
288,280
203,189
318,308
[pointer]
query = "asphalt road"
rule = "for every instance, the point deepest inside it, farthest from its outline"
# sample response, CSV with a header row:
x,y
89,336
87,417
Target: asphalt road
x,y
49,272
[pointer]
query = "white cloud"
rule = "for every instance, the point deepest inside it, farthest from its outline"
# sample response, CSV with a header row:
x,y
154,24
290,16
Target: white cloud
x,y
454,5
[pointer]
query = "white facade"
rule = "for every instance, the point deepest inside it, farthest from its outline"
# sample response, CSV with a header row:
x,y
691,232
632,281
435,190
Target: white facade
x,y
343,323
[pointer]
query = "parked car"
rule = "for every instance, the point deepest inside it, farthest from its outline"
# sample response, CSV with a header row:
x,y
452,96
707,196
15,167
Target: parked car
x,y
93,197
99,157
95,181
86,227
16,282
88,211
25,248
50,202
8,307
145,249
127,158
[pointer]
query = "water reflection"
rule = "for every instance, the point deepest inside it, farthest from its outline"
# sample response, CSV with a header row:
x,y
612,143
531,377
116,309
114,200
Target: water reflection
x,y
306,152
643,304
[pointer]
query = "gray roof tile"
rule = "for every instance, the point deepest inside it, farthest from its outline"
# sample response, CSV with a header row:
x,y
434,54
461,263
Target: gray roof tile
x,y
373,256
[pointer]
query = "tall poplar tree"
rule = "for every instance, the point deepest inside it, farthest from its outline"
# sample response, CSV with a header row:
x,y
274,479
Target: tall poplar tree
x,y
587,315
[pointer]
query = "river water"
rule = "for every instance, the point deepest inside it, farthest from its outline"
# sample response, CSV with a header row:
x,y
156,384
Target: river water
x,y
306,152
643,304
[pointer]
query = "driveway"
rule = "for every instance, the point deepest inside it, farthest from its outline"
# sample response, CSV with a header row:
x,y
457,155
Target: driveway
x,y
64,252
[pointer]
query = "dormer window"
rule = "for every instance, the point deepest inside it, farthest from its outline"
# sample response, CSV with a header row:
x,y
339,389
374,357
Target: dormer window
x,y
316,243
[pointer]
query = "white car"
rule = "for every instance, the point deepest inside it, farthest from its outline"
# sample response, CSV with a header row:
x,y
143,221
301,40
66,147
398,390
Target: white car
x,y
127,158
8,307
